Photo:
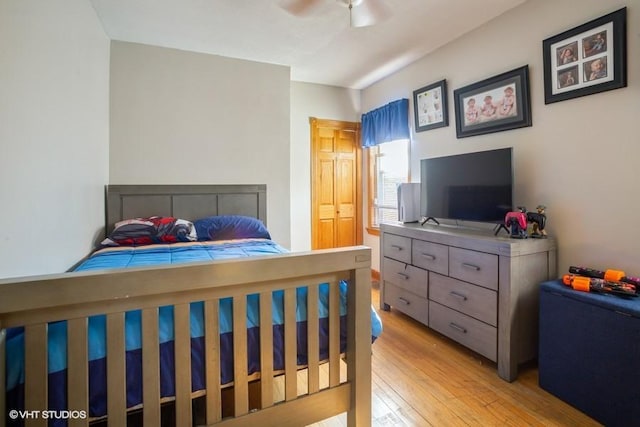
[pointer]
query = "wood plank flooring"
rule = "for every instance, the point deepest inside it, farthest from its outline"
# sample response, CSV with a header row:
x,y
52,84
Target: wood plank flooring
x,y
421,378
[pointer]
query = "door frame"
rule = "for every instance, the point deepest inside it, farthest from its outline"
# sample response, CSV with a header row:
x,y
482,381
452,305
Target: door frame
x,y
315,123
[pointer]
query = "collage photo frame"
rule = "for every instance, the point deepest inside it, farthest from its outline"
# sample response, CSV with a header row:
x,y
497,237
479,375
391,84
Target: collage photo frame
x,y
587,59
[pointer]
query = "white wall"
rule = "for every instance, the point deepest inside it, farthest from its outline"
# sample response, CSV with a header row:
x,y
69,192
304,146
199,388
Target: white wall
x,y
580,158
189,118
323,102
54,133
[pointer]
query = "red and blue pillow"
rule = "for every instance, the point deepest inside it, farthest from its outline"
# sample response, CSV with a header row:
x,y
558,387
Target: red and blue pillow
x,y
147,231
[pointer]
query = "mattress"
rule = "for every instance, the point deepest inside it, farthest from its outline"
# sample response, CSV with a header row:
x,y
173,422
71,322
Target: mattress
x,y
163,254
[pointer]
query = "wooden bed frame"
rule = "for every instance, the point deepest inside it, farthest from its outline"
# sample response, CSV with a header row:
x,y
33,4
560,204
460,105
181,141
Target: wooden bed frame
x,y
32,302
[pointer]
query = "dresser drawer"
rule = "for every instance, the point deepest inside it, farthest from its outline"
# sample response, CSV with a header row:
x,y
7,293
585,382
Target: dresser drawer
x,y
408,277
475,301
397,247
468,331
475,267
430,256
406,302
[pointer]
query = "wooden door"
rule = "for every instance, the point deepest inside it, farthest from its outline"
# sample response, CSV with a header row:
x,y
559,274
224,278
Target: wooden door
x,y
336,193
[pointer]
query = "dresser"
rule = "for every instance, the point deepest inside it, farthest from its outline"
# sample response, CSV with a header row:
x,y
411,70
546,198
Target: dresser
x,y
469,285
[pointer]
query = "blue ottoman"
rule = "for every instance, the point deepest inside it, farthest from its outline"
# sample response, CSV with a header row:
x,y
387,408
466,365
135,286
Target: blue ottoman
x,y
589,352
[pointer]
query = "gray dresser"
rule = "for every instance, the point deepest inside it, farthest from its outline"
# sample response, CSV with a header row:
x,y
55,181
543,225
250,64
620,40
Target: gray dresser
x,y
475,288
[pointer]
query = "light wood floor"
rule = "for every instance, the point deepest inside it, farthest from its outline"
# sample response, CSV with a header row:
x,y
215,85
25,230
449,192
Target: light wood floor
x,y
421,378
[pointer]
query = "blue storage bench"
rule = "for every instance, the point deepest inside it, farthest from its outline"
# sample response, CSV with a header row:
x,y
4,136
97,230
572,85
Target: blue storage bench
x,y
589,352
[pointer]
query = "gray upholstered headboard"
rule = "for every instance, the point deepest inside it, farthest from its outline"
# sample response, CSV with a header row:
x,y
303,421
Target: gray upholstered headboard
x,y
188,202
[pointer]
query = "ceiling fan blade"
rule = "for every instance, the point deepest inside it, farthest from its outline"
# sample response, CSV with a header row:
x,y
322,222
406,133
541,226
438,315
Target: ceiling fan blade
x,y
369,12
300,7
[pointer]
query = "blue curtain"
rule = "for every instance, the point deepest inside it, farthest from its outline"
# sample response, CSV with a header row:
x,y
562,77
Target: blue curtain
x,y
385,124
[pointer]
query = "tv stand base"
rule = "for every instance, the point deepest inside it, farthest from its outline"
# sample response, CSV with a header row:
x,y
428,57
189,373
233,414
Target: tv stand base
x,y
428,219
500,227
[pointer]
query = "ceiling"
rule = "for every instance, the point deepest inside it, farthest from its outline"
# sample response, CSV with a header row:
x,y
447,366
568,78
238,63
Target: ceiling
x,y
320,47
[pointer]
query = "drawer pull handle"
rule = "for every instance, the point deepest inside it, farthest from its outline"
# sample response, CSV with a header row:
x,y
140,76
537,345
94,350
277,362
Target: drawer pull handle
x,y
471,266
398,247
404,276
458,295
429,256
623,313
404,301
458,328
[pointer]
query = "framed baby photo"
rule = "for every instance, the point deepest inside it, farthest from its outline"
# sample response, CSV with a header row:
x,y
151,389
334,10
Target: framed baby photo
x,y
496,104
587,59
430,106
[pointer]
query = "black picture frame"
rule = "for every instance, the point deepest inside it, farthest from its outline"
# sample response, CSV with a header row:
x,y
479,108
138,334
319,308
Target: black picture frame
x,y
430,107
587,59
496,104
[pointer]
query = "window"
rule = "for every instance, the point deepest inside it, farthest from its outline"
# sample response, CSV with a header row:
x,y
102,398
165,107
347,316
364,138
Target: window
x,y
388,167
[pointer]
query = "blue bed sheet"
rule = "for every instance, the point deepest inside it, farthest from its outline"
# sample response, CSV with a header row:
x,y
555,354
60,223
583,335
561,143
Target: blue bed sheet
x,y
127,257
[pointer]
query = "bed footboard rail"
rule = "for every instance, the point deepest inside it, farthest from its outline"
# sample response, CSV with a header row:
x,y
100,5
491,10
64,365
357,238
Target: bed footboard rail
x,y
35,302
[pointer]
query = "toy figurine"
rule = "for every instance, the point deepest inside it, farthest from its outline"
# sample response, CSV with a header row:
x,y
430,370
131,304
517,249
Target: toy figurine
x,y
538,219
517,223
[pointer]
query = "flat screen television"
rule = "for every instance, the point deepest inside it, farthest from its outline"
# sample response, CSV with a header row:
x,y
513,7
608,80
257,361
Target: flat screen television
x,y
472,187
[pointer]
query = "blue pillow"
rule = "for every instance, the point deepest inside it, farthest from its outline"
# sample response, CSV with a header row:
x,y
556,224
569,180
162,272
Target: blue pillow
x,y
226,227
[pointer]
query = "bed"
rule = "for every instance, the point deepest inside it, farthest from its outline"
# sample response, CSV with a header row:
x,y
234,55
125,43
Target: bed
x,y
168,329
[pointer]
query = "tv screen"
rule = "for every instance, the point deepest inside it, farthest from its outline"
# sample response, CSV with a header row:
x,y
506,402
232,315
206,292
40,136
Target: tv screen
x,y
472,187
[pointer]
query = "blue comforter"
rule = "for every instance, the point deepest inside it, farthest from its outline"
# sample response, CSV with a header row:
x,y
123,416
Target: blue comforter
x,y
141,256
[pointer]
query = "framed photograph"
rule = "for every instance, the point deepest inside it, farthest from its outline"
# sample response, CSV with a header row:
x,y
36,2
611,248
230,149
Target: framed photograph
x,y
498,103
587,59
430,106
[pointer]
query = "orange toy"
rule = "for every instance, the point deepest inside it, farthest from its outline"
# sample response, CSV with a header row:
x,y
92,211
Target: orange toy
x,y
608,275
591,284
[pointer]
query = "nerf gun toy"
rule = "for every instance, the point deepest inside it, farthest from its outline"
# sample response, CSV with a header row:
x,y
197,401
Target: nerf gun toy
x,y
608,275
592,284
